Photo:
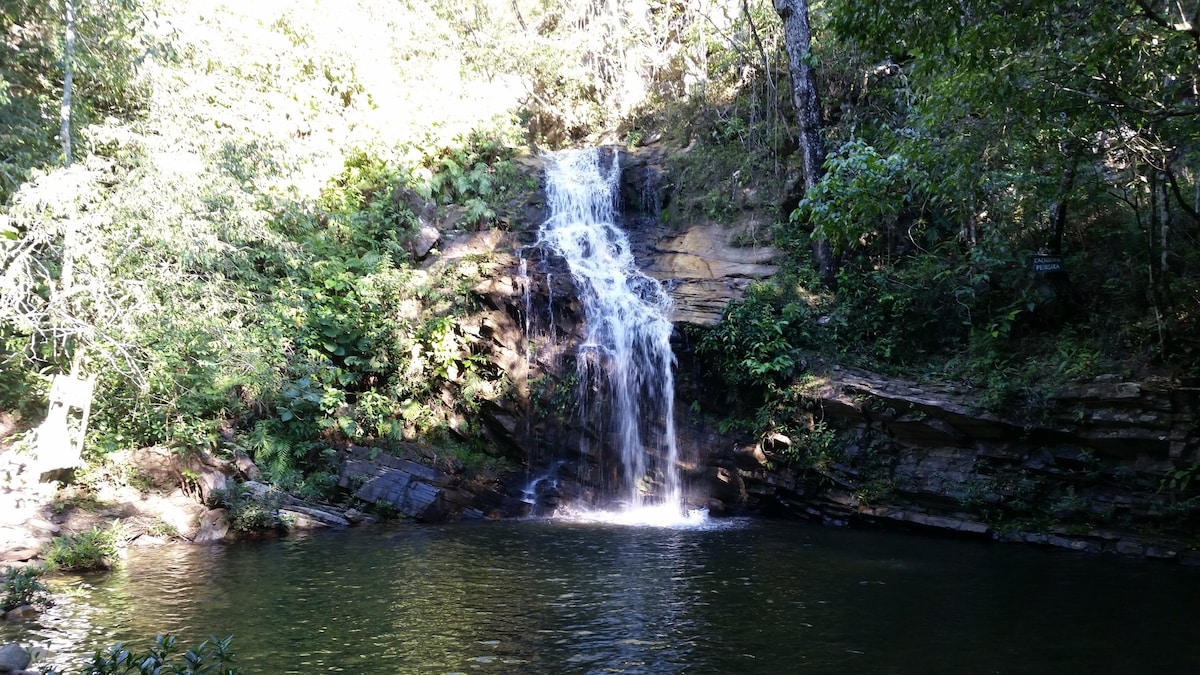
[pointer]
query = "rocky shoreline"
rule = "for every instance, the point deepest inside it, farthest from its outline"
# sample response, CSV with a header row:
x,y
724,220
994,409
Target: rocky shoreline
x,y
191,498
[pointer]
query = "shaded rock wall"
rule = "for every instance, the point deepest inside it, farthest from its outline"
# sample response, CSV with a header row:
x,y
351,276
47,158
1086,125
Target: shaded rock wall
x,y
423,492
1096,468
704,265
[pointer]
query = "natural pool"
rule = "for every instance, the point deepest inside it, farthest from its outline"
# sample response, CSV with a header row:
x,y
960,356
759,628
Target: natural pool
x,y
556,597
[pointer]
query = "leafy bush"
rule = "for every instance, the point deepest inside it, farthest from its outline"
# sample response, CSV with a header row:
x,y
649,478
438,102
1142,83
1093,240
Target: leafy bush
x,y
860,191
896,314
249,512
210,657
87,551
22,587
759,340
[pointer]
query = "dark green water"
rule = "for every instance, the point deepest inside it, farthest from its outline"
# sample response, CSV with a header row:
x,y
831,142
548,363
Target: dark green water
x,y
551,597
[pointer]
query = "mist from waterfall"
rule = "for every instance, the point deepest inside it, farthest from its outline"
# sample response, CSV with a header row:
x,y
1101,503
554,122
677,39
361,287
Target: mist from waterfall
x,y
625,362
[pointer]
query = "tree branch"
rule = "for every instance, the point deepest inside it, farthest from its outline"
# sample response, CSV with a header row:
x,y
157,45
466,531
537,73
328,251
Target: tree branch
x,y
1187,27
1179,196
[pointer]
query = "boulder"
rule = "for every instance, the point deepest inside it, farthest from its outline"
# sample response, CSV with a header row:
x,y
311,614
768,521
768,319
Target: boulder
x,y
207,474
157,466
18,554
319,517
214,527
423,241
198,472
21,613
295,520
418,491
13,658
246,467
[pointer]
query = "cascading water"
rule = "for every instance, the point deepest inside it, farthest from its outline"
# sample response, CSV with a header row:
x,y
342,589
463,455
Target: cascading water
x,y
625,362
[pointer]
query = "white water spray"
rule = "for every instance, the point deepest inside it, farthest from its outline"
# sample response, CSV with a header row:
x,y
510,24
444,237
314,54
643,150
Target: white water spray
x,y
625,363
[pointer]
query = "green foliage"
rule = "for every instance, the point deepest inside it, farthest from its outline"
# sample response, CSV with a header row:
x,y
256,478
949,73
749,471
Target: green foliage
x,y
95,549
230,288
248,512
111,42
1179,480
361,214
860,193
758,343
21,389
901,314
22,586
817,448
1008,119
211,657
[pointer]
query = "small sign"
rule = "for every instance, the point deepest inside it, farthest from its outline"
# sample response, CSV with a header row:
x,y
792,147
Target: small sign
x,y
1045,264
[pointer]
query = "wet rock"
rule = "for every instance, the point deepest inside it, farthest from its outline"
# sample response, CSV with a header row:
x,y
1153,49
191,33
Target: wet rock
x,y
727,485
1081,545
1191,558
1130,547
418,491
296,520
925,520
13,658
1161,552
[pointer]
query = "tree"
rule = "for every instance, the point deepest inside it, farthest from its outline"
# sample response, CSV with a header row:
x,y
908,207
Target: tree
x,y
798,41
1017,110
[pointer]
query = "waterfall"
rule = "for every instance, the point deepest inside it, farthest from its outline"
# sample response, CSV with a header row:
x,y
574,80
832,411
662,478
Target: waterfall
x,y
624,364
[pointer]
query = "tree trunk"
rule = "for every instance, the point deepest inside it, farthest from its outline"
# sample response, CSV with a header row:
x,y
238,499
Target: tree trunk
x,y
66,285
1058,208
798,39
64,113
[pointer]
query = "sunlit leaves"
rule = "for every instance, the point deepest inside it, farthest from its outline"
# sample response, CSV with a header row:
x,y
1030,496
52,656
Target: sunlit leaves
x,y
860,191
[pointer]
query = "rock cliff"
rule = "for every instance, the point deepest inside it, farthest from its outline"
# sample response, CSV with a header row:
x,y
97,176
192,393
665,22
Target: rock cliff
x,y
1099,467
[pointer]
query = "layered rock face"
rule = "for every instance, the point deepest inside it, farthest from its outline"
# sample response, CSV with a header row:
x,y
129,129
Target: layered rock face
x,y
704,265
1100,460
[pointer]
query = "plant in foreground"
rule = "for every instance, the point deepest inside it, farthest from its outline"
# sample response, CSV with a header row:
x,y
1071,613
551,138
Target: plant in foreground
x,y
22,587
95,549
211,657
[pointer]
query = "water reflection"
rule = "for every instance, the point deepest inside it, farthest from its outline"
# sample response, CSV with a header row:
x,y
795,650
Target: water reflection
x,y
552,597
